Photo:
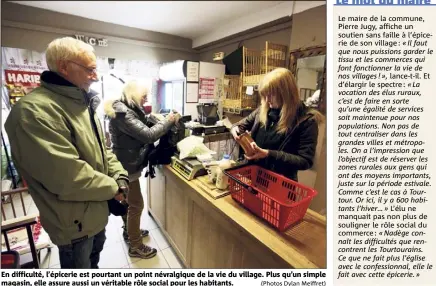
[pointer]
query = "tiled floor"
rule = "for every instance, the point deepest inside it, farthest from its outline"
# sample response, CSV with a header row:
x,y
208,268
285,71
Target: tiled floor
x,y
115,245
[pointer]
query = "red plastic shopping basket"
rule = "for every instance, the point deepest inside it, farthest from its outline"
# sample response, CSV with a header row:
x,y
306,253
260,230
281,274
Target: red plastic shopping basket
x,y
278,200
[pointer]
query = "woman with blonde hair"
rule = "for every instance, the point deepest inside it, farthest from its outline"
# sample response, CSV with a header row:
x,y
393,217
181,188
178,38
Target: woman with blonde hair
x,y
132,140
284,130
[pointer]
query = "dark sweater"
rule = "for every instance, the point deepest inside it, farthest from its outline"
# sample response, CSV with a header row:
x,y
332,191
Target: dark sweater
x,y
290,152
267,137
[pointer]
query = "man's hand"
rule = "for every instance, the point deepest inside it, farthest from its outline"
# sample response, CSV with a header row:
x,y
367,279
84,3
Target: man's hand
x,y
259,153
123,189
119,197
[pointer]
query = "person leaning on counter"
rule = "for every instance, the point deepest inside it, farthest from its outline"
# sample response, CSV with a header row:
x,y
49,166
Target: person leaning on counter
x,y
132,141
284,129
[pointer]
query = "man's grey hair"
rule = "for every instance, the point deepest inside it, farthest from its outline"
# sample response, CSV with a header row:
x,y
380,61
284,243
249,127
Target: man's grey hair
x,y
65,49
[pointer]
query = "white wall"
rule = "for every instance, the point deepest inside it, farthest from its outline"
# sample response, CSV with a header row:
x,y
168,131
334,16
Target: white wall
x,y
287,8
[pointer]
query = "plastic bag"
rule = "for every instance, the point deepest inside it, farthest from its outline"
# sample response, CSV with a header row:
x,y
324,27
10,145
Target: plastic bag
x,y
192,146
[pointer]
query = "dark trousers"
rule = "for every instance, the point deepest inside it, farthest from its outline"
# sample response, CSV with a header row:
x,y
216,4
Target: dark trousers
x,y
82,254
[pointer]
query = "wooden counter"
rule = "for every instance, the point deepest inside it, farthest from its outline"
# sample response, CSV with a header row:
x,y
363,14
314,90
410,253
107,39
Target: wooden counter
x,y
208,233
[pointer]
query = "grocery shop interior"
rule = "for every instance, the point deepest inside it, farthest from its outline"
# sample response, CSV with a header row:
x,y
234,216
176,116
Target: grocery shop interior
x,y
202,130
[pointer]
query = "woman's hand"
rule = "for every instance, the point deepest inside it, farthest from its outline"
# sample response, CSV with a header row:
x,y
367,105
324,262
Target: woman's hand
x,y
174,117
234,131
259,153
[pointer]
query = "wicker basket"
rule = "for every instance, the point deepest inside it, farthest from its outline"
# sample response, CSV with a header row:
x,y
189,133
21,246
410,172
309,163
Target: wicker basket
x,y
251,66
274,56
235,97
258,63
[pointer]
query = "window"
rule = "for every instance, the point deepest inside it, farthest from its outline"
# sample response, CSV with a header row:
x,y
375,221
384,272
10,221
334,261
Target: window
x,y
173,96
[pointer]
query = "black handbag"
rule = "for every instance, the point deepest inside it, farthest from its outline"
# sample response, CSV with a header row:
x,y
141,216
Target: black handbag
x,y
117,208
167,147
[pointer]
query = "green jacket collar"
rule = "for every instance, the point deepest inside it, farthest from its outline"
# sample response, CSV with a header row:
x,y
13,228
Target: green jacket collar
x,y
59,85
54,82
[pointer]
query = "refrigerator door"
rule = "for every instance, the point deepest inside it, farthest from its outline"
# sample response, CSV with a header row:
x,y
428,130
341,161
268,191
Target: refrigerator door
x,y
178,93
173,96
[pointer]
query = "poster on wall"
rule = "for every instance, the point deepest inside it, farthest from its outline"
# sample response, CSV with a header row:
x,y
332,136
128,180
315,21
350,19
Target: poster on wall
x,y
19,83
191,92
192,71
134,68
20,59
21,71
206,89
102,65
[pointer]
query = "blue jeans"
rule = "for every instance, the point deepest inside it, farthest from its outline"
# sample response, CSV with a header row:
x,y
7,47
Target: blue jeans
x,y
84,253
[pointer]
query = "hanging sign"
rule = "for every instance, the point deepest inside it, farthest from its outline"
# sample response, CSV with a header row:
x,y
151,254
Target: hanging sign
x,y
92,41
19,83
23,78
20,59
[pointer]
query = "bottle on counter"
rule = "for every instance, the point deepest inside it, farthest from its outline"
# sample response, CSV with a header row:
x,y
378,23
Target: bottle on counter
x,y
222,181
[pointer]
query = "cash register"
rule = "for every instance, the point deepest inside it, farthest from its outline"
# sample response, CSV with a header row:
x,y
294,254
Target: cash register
x,y
207,114
207,119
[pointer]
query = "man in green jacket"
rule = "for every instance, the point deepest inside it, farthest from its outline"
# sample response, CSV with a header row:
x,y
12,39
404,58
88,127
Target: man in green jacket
x,y
58,146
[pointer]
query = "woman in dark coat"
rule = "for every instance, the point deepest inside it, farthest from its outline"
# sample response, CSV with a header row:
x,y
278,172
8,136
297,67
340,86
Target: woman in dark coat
x,y
131,142
284,130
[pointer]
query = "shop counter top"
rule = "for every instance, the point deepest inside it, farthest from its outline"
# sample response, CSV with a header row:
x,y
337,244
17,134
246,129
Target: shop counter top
x,y
301,246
